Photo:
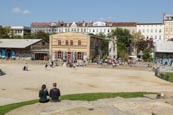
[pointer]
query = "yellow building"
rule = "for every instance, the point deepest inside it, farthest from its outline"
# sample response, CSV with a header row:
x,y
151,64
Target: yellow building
x,y
74,46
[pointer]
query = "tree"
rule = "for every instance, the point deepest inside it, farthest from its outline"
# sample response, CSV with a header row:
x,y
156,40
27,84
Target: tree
x,y
147,47
41,35
122,40
17,37
4,32
28,36
105,42
136,36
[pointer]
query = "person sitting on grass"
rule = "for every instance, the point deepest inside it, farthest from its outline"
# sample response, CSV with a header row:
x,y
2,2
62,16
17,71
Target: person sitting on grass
x,y
55,93
43,93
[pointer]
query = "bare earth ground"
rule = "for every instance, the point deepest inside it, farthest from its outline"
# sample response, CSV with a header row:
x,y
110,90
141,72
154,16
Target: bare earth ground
x,y
18,85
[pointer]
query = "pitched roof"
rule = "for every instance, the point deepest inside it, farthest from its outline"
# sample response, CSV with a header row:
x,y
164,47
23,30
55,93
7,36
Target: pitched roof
x,y
40,24
114,24
17,43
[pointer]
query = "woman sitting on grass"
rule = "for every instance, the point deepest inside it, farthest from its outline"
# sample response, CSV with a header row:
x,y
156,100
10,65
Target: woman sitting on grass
x,y
43,93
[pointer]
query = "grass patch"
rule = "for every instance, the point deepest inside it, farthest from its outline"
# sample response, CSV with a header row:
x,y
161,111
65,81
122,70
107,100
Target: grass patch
x,y
83,97
6,108
167,76
96,96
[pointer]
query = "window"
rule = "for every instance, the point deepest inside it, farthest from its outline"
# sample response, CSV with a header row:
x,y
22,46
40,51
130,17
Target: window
x,y
71,42
66,42
156,30
59,55
160,30
43,43
151,30
171,29
79,42
59,42
79,55
93,30
160,37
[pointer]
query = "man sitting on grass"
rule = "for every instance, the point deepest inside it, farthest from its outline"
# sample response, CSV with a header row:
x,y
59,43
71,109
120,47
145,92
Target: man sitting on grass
x,y
55,93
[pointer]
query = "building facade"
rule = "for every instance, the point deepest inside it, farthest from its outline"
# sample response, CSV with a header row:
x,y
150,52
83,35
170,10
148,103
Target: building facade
x,y
131,26
151,30
168,26
73,46
36,49
164,52
20,30
81,27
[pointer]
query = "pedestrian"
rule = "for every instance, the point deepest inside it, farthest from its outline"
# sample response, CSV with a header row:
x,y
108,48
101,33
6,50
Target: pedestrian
x,y
46,66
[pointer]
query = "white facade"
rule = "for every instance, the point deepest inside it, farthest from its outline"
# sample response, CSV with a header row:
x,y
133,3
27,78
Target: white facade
x,y
20,30
81,27
151,30
168,26
164,46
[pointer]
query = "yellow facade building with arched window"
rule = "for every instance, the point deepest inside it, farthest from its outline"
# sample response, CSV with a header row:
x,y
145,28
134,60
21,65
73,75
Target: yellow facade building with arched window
x,y
73,46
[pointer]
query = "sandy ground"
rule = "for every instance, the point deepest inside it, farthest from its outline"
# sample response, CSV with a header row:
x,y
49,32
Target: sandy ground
x,y
18,85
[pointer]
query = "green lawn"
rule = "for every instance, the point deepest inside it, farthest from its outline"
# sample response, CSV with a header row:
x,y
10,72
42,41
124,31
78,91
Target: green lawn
x,y
167,76
84,97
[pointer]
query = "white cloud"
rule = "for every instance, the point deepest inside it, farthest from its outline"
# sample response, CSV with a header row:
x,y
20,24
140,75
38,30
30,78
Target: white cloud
x,y
20,11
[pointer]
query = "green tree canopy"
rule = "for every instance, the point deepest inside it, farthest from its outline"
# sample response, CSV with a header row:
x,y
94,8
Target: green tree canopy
x,y
41,35
123,41
4,32
104,43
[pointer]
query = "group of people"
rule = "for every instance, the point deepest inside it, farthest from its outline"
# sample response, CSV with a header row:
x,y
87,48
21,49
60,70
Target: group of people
x,y
54,94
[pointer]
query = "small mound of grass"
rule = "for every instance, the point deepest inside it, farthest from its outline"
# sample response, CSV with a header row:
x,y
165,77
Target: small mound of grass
x,y
83,97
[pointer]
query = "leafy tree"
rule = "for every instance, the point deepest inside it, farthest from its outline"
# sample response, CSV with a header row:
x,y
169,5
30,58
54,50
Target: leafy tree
x,y
28,36
144,44
147,47
4,32
136,37
105,42
123,41
17,37
147,55
41,35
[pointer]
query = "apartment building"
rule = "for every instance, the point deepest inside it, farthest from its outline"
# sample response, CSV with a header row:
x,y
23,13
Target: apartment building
x,y
81,27
20,30
151,30
168,26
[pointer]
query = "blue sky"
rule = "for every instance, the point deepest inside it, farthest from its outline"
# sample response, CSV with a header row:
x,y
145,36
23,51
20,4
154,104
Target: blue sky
x,y
24,12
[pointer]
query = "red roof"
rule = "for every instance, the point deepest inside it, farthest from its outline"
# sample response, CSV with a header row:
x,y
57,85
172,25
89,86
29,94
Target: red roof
x,y
114,24
41,24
